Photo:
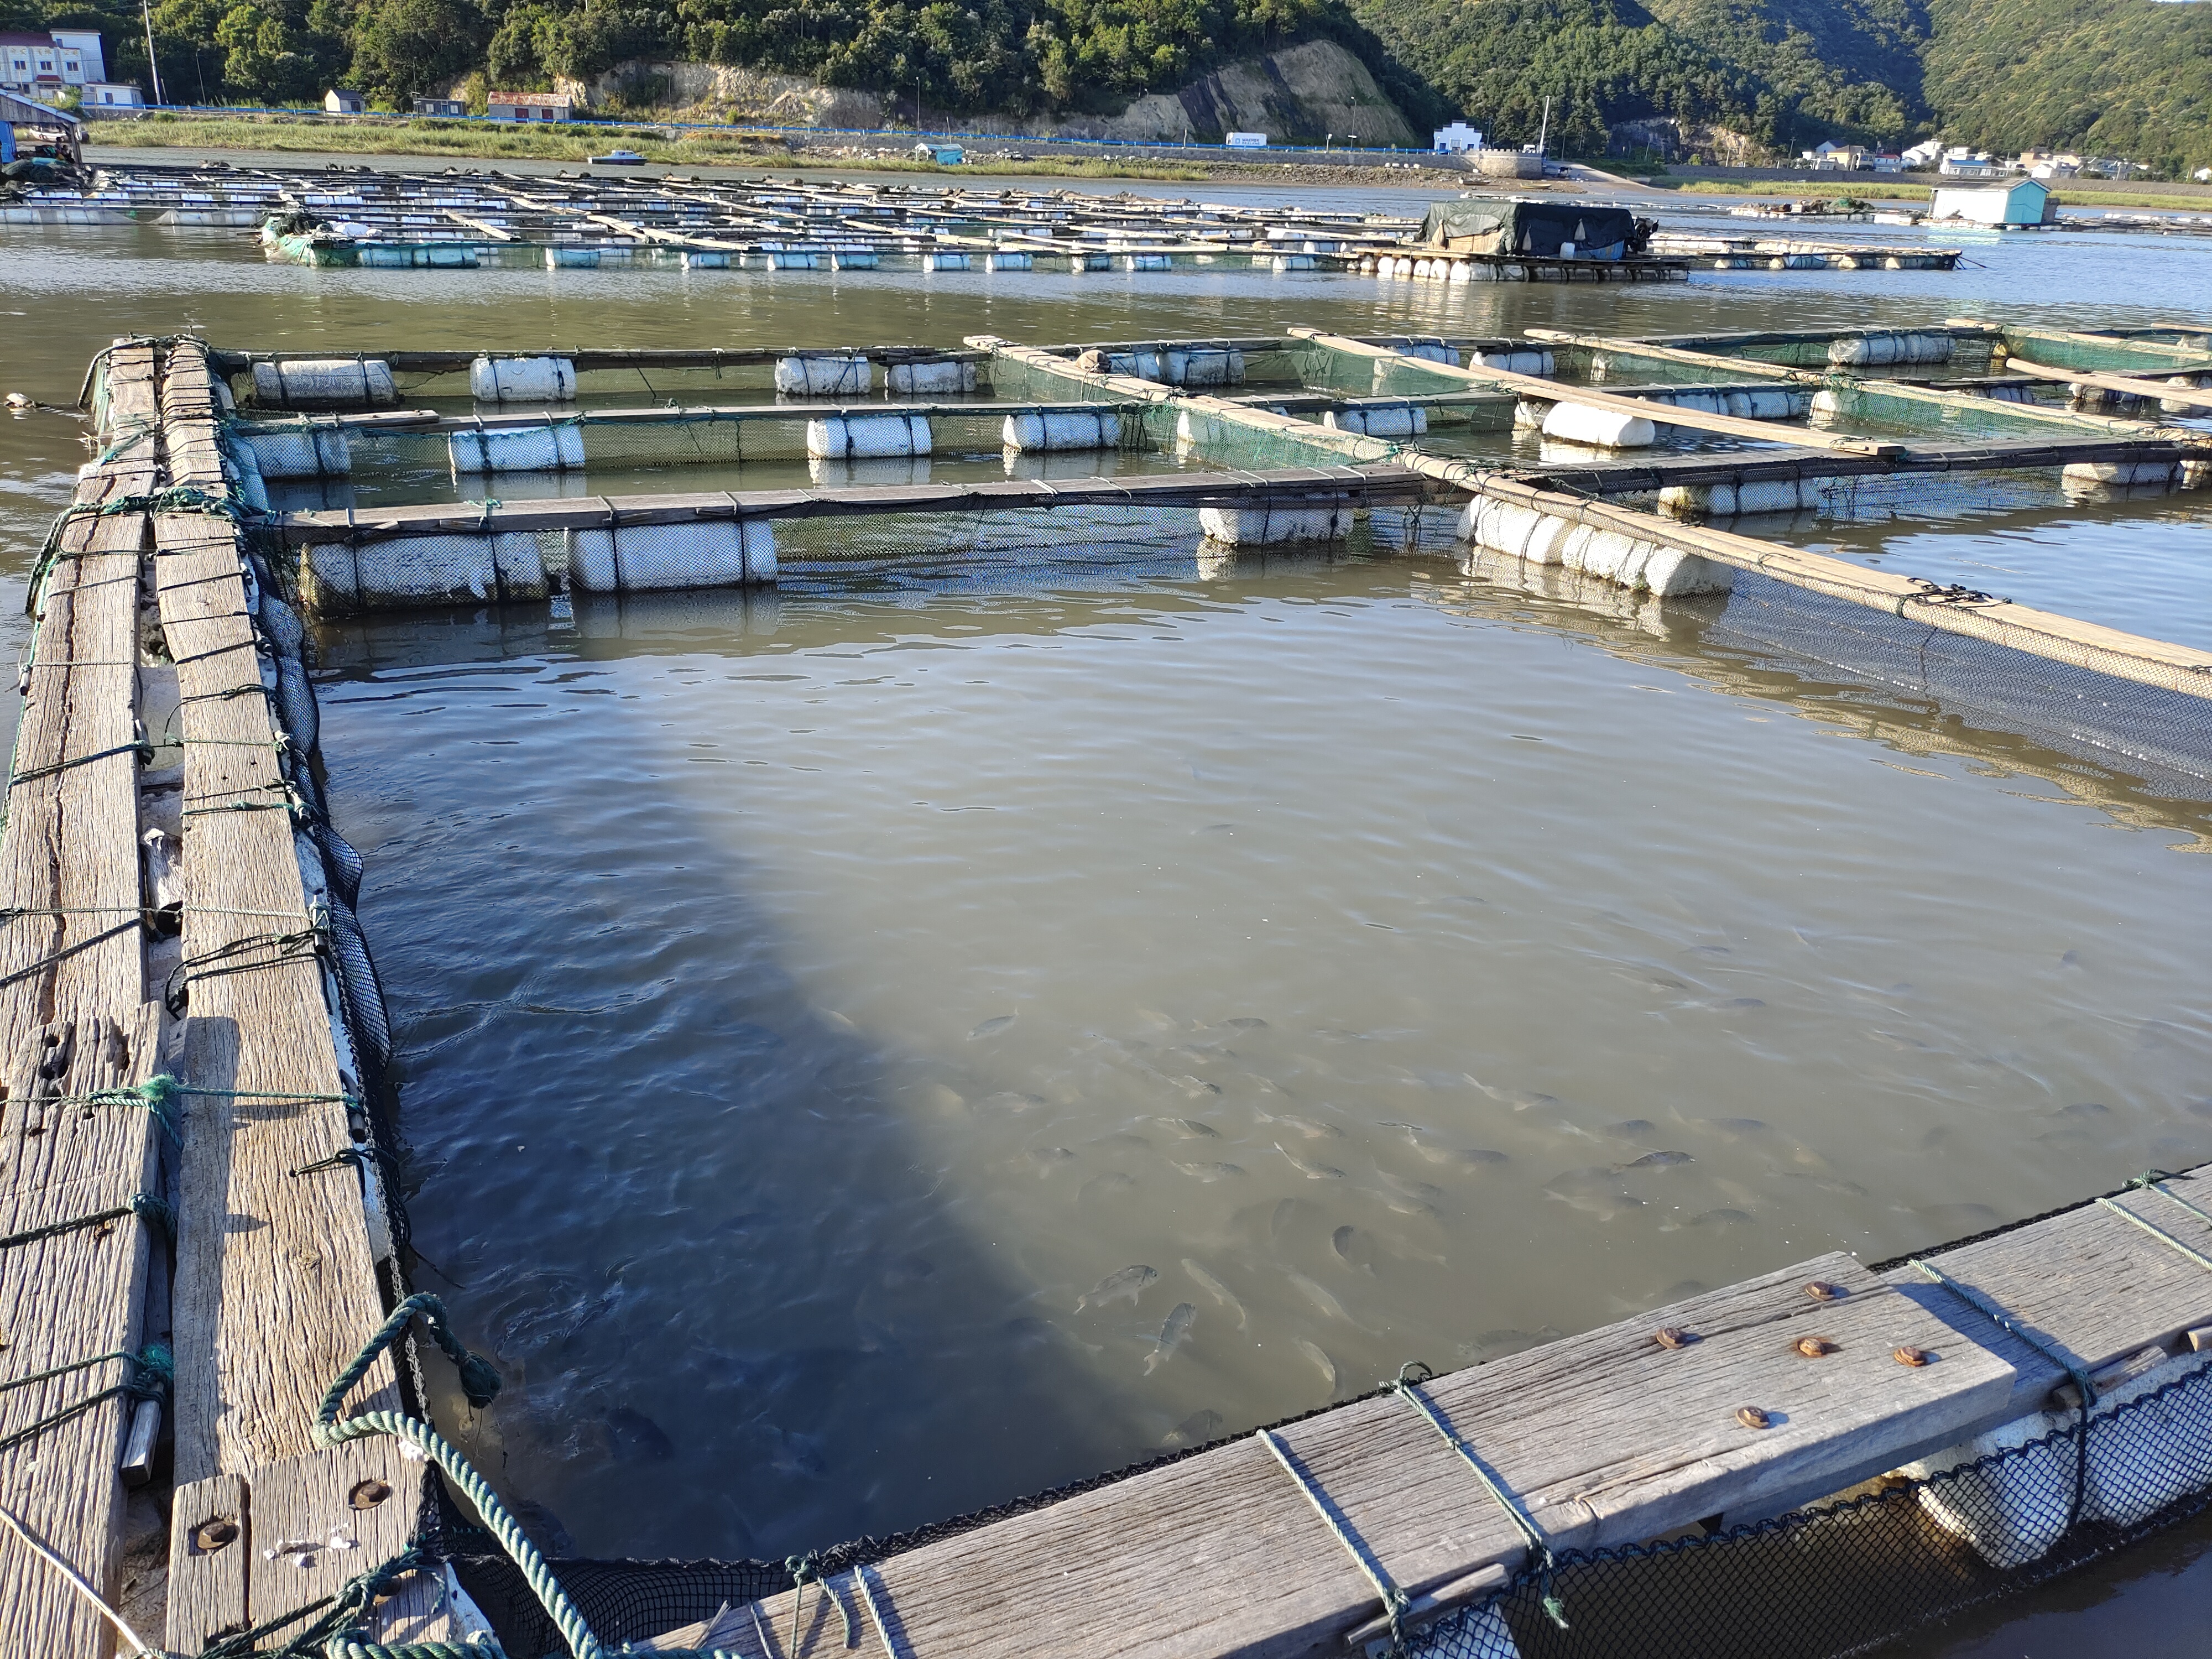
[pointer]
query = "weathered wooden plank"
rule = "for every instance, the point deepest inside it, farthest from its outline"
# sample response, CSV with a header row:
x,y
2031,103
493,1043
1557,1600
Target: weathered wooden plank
x,y
326,1517
276,1285
72,1023
1643,475
1608,1438
1536,388
1379,483
2087,1282
210,1557
2157,391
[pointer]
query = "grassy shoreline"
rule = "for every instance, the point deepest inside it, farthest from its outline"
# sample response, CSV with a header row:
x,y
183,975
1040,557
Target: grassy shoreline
x,y
732,147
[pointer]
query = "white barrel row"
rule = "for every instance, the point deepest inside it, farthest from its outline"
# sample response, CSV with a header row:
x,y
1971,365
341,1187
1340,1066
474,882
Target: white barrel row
x,y
1270,524
416,572
1440,270
1184,366
1538,537
1072,429
2012,1512
1880,349
523,380
1728,501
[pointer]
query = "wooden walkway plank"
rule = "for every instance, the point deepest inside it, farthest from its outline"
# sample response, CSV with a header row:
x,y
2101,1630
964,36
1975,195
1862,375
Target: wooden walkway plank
x,y
73,1020
277,1287
1607,1438
2096,1285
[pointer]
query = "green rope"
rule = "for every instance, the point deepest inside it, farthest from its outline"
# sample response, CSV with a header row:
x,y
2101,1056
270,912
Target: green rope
x,y
1395,1602
2151,1183
2057,1356
157,1095
1407,1386
153,1209
479,1382
340,1611
144,751
148,1373
805,1571
2159,1233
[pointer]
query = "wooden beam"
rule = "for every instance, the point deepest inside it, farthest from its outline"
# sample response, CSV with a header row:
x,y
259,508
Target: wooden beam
x,y
1287,485
2158,391
1913,401
1535,387
2069,349
74,1022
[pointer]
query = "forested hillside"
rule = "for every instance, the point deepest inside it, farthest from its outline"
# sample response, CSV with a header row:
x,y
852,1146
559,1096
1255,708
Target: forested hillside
x,y
2120,77
2116,77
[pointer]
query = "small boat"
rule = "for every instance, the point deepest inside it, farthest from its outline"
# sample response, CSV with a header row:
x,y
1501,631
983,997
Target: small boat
x,y
618,158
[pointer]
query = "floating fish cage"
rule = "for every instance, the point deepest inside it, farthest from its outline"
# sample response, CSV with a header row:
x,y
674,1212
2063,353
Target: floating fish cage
x,y
1808,1462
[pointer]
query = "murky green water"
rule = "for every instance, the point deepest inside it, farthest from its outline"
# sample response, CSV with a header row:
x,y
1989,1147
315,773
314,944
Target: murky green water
x,y
814,1006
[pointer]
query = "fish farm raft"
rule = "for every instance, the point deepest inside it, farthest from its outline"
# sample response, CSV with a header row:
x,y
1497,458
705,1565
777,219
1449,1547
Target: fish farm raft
x,y
206,1239
470,218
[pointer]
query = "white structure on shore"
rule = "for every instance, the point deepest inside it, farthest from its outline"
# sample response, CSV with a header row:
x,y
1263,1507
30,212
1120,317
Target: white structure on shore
x,y
1457,139
39,63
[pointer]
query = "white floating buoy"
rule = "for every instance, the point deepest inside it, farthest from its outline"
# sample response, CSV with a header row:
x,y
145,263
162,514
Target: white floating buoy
x,y
1271,525
522,380
1600,429
868,437
728,553
823,376
1075,429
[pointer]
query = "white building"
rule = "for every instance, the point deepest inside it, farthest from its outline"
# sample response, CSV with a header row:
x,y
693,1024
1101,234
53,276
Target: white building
x,y
39,63
343,100
1923,155
2024,202
1457,139
527,105
109,94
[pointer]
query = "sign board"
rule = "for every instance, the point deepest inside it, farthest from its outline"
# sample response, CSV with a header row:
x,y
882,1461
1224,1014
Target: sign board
x,y
1247,141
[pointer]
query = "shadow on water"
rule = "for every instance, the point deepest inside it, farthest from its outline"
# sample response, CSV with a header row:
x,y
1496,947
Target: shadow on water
x,y
678,1202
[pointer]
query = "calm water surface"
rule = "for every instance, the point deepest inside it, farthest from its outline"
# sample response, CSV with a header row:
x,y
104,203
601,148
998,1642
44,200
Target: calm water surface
x,y
815,1006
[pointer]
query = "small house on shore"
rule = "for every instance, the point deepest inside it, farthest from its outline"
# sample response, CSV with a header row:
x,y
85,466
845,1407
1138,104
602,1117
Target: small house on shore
x,y
441,106
527,105
339,101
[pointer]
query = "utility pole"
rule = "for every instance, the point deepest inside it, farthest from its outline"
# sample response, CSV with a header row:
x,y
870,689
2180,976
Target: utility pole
x,y
1544,132
146,7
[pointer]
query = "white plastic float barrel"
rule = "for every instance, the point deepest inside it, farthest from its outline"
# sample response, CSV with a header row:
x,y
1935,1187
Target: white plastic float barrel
x,y
631,558
1398,421
945,262
1270,524
1728,501
1138,365
1540,538
823,376
780,259
1883,348
706,258
1149,262
1519,363
1201,366
1283,262
1009,261
556,446
413,572
928,379
868,437
1075,429
2123,474
853,259
325,383
572,258
1600,429
522,380
1431,351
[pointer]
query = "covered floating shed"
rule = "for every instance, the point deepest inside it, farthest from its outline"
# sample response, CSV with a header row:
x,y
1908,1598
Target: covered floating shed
x,y
2024,202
